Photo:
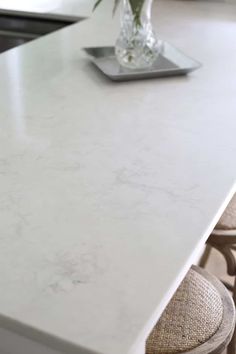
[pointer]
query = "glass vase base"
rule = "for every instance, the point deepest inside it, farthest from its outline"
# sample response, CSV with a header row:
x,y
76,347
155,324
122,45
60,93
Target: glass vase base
x,y
140,56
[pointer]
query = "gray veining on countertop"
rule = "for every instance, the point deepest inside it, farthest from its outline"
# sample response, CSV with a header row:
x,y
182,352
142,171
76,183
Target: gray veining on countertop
x,y
107,192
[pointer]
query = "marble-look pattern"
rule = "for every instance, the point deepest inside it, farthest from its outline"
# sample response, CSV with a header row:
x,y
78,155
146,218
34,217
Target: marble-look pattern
x,y
108,191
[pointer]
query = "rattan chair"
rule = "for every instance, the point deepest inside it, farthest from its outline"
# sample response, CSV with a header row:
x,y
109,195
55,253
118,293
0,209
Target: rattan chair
x,y
199,319
223,238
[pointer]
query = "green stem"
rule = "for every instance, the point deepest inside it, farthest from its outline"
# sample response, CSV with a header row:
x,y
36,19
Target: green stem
x,y
136,7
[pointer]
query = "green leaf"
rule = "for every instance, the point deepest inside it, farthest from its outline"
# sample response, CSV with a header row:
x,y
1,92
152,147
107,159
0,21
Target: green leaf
x,y
96,4
116,4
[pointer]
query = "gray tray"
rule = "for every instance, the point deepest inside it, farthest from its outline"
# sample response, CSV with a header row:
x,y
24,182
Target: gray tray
x,y
170,62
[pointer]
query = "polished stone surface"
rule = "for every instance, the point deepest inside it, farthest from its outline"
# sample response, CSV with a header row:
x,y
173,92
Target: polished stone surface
x,y
108,191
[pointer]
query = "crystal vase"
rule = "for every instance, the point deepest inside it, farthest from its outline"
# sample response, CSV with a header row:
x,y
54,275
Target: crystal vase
x,y
137,46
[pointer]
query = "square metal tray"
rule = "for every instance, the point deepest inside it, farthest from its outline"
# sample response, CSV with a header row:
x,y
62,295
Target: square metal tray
x,y
170,62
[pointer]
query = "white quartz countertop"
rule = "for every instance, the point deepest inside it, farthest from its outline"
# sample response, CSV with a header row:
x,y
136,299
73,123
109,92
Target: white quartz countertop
x,y
108,191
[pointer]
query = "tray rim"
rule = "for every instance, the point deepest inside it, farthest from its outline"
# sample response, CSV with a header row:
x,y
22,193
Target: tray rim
x,y
142,74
